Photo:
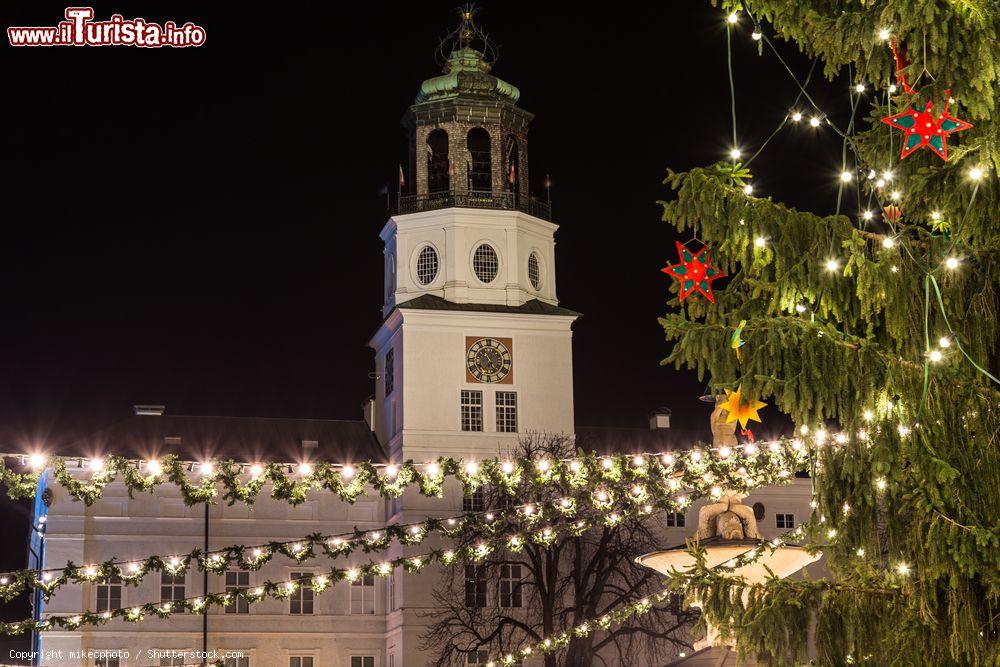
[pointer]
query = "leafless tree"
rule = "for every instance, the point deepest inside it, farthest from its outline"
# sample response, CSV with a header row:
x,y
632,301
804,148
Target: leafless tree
x,y
509,600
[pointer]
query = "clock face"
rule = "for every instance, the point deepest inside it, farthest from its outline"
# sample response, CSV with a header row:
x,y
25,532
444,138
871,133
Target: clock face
x,y
488,360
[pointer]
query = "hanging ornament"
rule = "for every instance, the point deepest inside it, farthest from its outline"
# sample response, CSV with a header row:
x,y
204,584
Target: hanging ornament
x,y
741,409
695,273
736,342
902,62
922,128
892,213
748,434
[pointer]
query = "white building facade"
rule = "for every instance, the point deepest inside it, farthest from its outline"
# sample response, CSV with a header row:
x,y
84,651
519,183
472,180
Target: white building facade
x,y
473,352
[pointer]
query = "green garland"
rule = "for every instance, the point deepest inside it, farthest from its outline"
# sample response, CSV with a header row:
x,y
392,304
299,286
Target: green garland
x,y
217,561
497,538
695,471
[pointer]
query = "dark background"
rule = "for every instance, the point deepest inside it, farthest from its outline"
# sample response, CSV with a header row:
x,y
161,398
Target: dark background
x,y
199,227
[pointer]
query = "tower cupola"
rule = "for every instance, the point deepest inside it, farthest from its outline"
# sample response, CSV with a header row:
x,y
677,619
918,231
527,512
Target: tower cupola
x,y
468,139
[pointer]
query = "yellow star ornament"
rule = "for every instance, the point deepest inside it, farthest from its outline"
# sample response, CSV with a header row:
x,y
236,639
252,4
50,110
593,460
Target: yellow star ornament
x,y
741,409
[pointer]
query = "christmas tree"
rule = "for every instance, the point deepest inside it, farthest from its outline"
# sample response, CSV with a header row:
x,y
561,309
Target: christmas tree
x,y
874,327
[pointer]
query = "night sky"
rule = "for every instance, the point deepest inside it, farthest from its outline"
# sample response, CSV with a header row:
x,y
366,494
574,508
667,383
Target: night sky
x,y
199,227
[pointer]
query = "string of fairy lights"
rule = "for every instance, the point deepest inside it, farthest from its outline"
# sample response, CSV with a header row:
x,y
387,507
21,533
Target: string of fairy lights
x,y
514,519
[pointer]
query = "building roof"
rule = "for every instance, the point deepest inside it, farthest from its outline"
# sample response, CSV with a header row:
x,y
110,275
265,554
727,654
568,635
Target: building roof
x,y
533,307
244,439
613,439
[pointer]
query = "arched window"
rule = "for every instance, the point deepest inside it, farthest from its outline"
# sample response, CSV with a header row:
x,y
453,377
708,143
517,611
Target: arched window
x,y
437,162
512,165
481,165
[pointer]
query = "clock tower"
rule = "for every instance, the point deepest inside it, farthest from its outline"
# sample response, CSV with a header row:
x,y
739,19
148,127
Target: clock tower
x,y
474,350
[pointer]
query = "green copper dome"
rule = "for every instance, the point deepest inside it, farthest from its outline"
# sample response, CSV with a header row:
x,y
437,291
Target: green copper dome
x,y
466,74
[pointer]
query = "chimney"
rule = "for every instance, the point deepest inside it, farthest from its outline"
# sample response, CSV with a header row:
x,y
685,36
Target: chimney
x,y
153,410
659,418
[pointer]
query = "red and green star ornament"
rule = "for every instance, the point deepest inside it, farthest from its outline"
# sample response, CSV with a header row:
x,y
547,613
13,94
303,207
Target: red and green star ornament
x,y
694,272
923,128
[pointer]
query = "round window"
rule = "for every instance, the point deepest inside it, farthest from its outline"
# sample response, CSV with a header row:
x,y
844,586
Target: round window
x,y
485,263
427,265
534,271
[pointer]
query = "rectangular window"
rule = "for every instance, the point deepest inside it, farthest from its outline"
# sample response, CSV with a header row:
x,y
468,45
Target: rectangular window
x,y
173,661
392,592
475,586
107,662
675,519
109,595
477,658
510,585
362,661
363,595
237,605
475,501
237,662
300,661
784,520
507,412
472,410
301,600
172,588
389,371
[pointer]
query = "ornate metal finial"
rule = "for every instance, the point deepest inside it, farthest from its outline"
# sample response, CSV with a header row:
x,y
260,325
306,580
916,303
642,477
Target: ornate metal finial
x,y
467,35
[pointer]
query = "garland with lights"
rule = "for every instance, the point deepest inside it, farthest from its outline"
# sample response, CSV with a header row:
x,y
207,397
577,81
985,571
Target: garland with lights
x,y
519,519
698,468
886,323
496,538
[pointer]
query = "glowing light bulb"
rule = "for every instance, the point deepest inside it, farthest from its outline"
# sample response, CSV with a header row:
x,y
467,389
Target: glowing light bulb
x,y
748,189
760,242
800,308
894,269
944,341
975,173
884,34
507,467
880,483
756,36
602,496
935,215
543,465
574,466
797,116
880,183
347,472
840,438
305,468
256,470
846,176
724,452
867,215
206,468
832,533
888,242
903,569
868,415
257,553
154,467
832,265
935,355
36,461
391,470
639,461
735,153
90,571
134,567
733,18
750,449
695,455
951,263
96,464
471,468
668,459
895,195
814,121
872,174
433,469
860,552
860,88
892,89
716,492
